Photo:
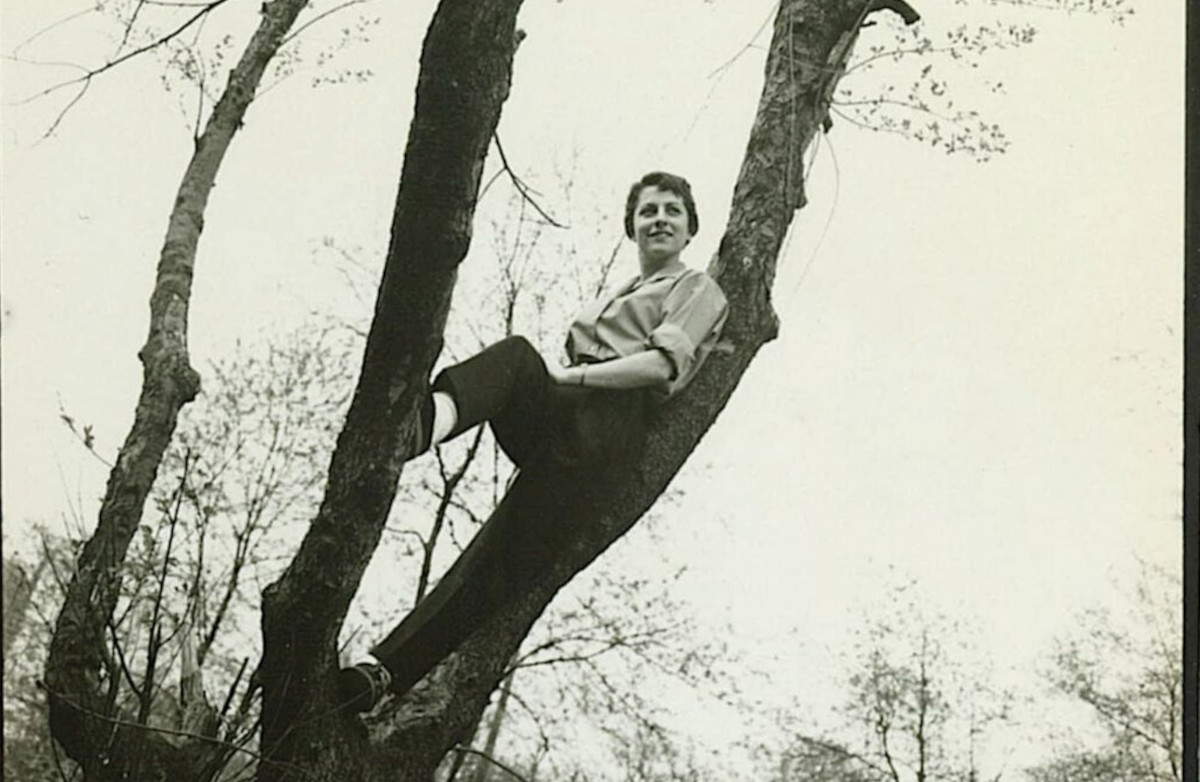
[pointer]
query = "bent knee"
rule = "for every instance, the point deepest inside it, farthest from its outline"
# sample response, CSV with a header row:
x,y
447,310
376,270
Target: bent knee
x,y
521,347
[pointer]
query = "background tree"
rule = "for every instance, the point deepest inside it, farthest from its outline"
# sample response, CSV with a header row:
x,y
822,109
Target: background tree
x,y
1125,671
919,704
247,460
33,590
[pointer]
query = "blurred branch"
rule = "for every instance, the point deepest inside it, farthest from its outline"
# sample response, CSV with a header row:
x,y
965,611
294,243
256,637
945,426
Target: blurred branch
x,y
490,759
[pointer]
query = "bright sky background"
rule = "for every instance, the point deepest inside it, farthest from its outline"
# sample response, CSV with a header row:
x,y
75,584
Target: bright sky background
x,y
977,382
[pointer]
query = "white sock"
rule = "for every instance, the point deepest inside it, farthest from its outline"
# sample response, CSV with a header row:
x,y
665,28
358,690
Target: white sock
x,y
445,416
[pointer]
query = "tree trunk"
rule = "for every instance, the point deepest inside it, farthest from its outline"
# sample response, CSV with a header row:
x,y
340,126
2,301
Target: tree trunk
x,y
304,610
81,685
466,68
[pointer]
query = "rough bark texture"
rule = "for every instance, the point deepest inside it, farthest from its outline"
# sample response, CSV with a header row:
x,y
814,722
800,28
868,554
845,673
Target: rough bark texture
x,y
82,713
466,67
551,516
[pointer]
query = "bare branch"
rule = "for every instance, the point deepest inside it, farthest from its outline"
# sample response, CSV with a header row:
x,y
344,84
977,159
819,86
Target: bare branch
x,y
137,9
522,188
117,722
490,759
449,484
155,632
52,26
86,79
318,18
137,691
752,43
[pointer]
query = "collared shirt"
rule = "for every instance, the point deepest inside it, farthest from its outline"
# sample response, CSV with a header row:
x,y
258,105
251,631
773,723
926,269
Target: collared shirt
x,y
677,310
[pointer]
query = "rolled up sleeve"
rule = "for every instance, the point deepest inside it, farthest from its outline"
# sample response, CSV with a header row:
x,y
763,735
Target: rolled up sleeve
x,y
693,312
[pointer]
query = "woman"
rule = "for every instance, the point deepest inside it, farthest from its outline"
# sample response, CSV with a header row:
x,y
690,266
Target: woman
x,y
648,337
629,352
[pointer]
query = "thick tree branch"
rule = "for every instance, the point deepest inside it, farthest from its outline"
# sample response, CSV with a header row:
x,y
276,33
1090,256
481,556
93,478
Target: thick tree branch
x,y
527,548
458,104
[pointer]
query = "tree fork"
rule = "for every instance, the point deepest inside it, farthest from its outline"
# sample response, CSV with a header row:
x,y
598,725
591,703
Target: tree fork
x,y
810,43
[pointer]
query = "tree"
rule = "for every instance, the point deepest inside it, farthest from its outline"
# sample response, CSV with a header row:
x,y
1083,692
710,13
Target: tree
x,y
29,601
918,705
458,104
245,463
1126,673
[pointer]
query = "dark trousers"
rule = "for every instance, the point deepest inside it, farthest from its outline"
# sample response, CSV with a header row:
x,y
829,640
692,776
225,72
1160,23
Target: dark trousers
x,y
534,419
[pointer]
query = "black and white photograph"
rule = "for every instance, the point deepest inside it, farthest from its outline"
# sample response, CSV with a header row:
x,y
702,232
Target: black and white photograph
x,y
550,391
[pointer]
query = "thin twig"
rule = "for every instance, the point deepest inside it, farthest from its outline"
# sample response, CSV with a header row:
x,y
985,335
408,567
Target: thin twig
x,y
94,72
116,722
155,640
522,188
896,54
489,759
318,18
137,9
51,26
749,45
233,688
121,659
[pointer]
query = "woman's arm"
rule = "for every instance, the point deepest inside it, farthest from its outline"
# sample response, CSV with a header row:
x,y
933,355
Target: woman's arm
x,y
639,370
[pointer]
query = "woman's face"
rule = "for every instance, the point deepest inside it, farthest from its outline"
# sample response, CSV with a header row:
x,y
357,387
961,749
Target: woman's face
x,y
660,224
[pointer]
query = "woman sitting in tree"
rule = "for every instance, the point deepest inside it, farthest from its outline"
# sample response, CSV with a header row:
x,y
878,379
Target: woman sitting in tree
x,y
629,352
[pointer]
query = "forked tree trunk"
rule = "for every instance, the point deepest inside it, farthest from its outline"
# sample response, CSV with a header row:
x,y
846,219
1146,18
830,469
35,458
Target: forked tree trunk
x,y
549,516
466,68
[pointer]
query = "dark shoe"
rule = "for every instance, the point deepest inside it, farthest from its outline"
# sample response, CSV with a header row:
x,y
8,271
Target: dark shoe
x,y
362,686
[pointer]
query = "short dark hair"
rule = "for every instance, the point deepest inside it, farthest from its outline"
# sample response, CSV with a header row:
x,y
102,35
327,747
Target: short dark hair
x,y
663,181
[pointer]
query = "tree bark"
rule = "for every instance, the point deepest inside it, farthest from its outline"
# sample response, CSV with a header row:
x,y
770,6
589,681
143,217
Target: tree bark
x,y
466,69
549,516
82,710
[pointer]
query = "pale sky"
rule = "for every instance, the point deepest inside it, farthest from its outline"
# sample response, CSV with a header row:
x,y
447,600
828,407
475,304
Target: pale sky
x,y
977,381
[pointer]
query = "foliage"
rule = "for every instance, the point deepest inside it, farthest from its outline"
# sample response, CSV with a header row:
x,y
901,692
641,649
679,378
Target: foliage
x,y
29,751
926,109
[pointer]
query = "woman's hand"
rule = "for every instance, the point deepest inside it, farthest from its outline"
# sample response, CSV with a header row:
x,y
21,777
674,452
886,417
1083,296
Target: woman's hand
x,y
565,376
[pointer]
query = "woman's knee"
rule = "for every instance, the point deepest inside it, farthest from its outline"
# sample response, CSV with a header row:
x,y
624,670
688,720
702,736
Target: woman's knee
x,y
522,354
519,344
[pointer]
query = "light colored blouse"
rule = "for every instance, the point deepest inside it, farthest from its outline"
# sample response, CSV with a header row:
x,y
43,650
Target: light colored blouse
x,y
677,310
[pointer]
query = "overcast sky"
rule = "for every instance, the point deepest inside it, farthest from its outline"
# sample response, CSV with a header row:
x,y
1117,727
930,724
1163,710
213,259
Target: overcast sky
x,y
977,381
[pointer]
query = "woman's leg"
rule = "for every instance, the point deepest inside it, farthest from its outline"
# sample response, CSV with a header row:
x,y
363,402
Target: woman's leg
x,y
507,385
